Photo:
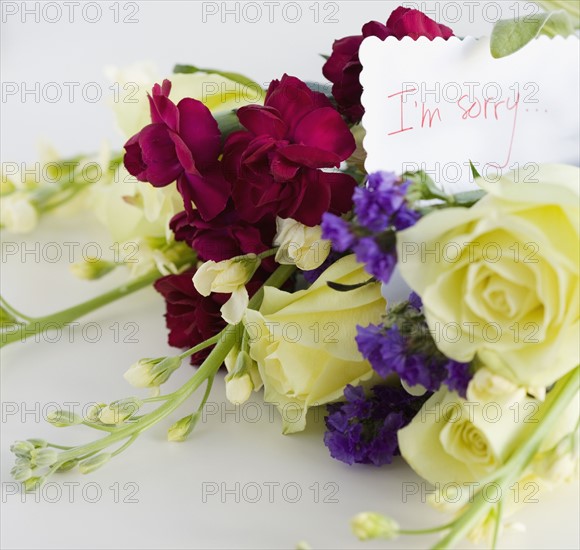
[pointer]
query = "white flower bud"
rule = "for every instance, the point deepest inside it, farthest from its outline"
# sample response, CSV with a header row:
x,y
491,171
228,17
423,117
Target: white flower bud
x,y
182,428
242,378
300,245
559,464
236,362
95,462
93,412
17,214
119,411
239,388
22,449
43,457
151,373
23,461
92,269
370,525
21,473
63,419
33,483
38,443
68,465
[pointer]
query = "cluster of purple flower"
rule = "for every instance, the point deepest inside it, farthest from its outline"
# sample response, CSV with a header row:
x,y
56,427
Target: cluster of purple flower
x,y
389,352
381,209
403,345
363,430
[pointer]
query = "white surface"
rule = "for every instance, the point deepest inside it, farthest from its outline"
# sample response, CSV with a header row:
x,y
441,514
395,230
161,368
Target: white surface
x,y
170,512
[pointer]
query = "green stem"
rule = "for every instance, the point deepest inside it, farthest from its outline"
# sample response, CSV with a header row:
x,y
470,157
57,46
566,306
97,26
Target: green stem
x,y
63,200
208,368
125,445
13,311
556,403
207,393
60,447
428,530
225,341
156,399
99,427
210,342
268,253
497,525
62,318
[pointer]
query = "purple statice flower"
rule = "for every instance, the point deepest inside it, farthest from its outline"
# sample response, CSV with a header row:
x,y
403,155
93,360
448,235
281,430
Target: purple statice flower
x,y
363,429
405,218
381,204
421,370
378,262
393,353
380,209
415,301
337,231
369,341
378,201
412,355
458,376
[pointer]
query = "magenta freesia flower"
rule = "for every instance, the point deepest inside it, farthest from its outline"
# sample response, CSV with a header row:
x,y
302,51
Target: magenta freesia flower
x,y
275,164
182,144
343,67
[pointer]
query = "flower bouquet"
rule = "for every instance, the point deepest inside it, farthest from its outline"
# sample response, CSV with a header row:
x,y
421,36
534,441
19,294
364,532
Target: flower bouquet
x,y
252,215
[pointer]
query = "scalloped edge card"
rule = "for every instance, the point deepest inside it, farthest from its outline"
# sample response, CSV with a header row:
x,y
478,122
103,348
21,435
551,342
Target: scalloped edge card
x,y
437,105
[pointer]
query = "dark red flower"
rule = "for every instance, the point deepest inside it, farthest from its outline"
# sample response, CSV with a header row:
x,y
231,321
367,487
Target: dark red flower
x,y
192,318
275,166
225,236
182,144
414,23
343,67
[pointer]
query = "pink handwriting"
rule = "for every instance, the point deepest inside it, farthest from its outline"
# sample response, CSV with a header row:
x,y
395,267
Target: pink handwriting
x,y
470,109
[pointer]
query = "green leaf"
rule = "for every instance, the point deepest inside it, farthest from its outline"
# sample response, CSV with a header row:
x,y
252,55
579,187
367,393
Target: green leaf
x,y
474,171
510,35
468,198
424,185
235,77
347,288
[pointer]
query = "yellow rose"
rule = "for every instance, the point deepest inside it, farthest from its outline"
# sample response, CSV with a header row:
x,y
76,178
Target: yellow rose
x,y
304,342
459,445
500,280
457,441
131,86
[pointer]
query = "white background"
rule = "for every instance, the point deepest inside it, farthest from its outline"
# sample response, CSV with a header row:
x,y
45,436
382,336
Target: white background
x,y
169,477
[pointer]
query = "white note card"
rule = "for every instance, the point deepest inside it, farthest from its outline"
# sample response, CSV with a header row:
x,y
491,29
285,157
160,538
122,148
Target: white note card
x,y
437,105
